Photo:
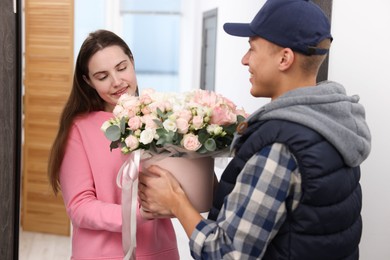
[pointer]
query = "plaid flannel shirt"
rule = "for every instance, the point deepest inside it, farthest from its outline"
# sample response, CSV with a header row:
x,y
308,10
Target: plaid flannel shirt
x,y
255,209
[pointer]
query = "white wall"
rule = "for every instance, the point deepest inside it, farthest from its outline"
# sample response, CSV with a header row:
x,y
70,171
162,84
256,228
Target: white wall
x,y
232,78
359,60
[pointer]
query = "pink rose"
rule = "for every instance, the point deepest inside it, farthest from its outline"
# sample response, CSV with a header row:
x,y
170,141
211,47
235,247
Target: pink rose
x,y
223,116
119,111
167,106
148,121
197,122
191,142
145,110
131,102
145,99
135,123
132,142
229,103
206,98
153,107
131,111
182,126
184,114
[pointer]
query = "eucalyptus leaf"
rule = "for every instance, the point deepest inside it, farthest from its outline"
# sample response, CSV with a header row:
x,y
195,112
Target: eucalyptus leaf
x,y
202,150
123,125
158,122
161,132
210,145
160,113
113,133
203,136
169,136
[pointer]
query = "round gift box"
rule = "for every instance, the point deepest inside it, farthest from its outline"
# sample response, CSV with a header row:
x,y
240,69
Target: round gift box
x,y
195,175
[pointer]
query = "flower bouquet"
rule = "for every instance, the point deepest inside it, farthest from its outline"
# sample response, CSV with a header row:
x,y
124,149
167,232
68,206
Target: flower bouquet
x,y
181,132
179,123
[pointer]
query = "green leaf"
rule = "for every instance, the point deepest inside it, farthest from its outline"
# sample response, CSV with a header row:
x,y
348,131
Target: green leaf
x,y
161,132
123,125
160,113
202,150
114,145
203,136
169,136
210,145
230,129
176,138
158,123
223,142
113,133
240,118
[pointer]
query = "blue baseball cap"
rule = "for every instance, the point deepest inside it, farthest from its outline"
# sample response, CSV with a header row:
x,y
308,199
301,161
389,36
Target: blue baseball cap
x,y
296,24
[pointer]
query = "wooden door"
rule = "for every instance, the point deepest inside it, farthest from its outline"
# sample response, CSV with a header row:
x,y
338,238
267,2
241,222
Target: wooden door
x,y
47,81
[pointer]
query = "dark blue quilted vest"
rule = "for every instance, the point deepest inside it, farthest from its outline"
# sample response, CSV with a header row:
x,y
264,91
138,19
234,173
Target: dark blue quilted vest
x,y
327,223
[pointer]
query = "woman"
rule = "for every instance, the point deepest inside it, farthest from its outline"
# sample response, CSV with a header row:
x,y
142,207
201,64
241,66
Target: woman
x,y
82,166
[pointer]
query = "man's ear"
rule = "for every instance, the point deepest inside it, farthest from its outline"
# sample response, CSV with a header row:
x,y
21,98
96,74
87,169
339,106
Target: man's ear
x,y
88,81
286,59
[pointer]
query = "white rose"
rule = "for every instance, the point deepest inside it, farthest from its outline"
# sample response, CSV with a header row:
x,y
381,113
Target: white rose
x,y
105,125
170,125
214,129
147,136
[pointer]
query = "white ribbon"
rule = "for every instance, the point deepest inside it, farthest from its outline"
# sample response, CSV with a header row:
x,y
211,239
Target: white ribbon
x,y
127,180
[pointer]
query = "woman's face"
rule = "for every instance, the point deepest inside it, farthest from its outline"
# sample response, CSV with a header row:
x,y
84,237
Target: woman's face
x,y
111,74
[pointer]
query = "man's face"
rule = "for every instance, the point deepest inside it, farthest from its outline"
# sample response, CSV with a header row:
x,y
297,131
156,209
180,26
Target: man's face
x,y
262,61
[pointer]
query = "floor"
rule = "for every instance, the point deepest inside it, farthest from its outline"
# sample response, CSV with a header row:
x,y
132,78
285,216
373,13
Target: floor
x,y
40,246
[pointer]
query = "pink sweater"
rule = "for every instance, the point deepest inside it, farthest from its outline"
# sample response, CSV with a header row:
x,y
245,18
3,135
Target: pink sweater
x,y
92,199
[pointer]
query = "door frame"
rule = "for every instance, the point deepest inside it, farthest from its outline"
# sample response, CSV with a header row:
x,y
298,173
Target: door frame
x,y
326,6
211,14
10,128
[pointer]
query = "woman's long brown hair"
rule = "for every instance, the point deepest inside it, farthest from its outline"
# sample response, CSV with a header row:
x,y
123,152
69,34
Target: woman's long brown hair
x,y
82,99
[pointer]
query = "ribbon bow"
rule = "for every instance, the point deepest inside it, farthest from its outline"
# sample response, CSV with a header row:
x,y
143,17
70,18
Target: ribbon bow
x,y
127,180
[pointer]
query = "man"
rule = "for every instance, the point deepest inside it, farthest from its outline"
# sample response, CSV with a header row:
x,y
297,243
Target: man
x,y
292,189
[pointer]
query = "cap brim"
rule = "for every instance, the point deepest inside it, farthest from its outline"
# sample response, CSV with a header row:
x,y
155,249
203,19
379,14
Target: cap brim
x,y
238,29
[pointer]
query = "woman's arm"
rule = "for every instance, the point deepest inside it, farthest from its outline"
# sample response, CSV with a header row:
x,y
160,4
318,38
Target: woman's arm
x,y
79,190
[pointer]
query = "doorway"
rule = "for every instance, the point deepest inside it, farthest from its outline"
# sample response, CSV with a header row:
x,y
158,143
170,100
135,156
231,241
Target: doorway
x,y
209,45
